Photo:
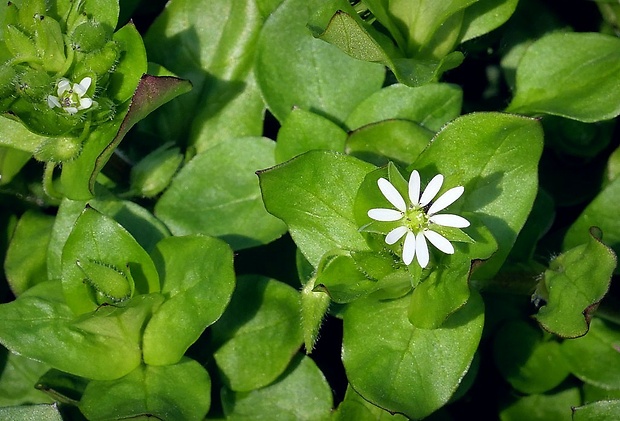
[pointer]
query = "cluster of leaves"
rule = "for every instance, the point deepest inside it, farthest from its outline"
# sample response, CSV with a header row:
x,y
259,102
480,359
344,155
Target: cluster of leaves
x,y
127,299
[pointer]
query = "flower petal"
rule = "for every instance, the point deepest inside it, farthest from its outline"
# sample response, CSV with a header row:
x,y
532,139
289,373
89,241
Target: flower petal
x,y
52,101
396,234
385,215
448,220
414,187
446,199
409,248
63,86
421,249
71,110
431,190
439,241
391,194
83,86
85,103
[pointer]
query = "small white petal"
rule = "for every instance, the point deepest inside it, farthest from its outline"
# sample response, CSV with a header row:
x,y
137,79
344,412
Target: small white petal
x,y
448,220
396,234
414,187
431,190
71,110
446,199
439,241
392,195
85,84
52,101
409,248
85,103
421,249
63,86
385,215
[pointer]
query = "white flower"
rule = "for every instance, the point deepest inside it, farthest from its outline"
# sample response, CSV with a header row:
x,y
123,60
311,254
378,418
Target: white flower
x,y
71,98
418,217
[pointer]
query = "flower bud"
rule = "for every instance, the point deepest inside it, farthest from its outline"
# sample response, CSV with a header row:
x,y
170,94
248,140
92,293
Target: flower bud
x,y
109,284
100,62
32,84
89,36
153,174
19,44
58,149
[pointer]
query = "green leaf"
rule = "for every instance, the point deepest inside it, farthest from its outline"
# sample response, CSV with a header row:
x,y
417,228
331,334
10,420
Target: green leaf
x,y
317,76
141,224
99,240
594,358
355,407
401,368
528,361
18,378
431,106
25,261
602,212
174,392
31,412
576,281
11,163
445,291
15,135
104,344
422,28
78,176
303,131
499,174
555,406
571,75
132,65
217,194
300,393
407,140
197,292
258,334
600,411
314,194
218,39
484,16
62,387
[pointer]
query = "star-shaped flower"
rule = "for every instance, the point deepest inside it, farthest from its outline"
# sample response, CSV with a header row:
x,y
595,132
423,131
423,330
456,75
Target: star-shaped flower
x,y
419,217
71,98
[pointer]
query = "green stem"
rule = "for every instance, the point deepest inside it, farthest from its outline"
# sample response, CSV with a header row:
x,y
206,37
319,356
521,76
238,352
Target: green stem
x,y
48,181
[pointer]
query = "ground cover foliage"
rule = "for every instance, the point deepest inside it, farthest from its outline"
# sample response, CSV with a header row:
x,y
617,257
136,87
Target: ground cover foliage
x,y
309,209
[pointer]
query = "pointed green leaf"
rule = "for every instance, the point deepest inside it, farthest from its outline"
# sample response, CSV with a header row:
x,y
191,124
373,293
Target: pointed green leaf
x,y
499,173
104,344
407,140
197,293
573,75
317,76
404,369
101,241
314,194
601,411
304,131
219,41
217,194
484,16
32,412
258,334
542,407
18,378
431,106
